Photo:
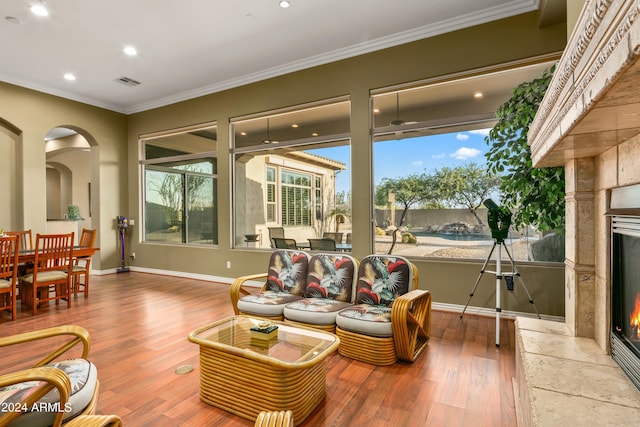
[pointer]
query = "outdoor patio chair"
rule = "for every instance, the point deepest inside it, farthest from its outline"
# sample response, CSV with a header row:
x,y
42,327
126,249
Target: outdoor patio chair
x,y
322,244
391,319
282,243
275,232
70,385
330,288
285,282
335,236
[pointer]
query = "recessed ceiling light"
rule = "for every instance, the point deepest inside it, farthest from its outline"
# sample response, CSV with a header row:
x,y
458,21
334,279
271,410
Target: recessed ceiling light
x,y
285,4
243,133
130,50
39,9
477,95
314,134
294,125
376,110
70,77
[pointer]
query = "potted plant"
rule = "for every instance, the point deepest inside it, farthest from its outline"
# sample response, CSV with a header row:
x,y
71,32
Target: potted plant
x,y
73,212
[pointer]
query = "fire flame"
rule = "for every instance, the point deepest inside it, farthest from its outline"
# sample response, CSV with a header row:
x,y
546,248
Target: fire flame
x,y
634,318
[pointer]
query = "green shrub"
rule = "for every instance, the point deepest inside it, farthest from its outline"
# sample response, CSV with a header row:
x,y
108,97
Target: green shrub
x,y
409,238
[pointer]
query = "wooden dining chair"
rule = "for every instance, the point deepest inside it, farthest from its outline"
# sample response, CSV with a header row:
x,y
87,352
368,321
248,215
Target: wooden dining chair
x,y
52,270
81,265
9,247
25,237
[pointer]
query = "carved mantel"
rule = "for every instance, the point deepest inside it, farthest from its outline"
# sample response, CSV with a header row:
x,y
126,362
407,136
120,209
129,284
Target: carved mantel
x,y
593,101
589,123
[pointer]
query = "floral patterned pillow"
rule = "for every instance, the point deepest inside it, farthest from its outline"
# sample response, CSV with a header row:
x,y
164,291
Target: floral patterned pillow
x,y
331,276
287,271
381,279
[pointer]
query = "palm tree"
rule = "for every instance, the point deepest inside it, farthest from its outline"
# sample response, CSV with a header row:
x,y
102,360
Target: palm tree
x,y
339,212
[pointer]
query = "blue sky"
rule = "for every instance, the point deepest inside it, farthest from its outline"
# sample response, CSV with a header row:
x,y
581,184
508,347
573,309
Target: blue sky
x,y
398,158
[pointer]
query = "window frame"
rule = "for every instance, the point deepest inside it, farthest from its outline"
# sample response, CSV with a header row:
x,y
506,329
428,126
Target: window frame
x,y
461,123
305,143
156,164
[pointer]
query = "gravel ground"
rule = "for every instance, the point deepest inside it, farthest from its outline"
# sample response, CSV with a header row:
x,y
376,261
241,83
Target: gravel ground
x,y
437,247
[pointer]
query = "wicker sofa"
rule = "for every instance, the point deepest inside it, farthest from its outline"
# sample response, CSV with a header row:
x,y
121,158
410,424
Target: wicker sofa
x,y
374,306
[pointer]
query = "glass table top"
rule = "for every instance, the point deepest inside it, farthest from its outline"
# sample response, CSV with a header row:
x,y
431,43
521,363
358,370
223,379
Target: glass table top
x,y
291,345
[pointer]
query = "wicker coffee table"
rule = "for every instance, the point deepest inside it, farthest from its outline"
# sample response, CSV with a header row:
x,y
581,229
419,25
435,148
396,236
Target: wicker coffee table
x,y
244,376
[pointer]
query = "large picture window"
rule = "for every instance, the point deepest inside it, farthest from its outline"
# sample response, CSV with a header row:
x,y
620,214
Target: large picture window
x,y
430,174
180,180
291,174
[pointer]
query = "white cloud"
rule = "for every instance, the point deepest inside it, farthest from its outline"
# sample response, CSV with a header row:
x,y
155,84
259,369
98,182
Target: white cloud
x,y
462,137
483,132
464,153
417,163
439,156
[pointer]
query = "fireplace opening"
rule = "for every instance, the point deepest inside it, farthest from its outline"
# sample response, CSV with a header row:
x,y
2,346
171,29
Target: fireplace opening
x,y
625,295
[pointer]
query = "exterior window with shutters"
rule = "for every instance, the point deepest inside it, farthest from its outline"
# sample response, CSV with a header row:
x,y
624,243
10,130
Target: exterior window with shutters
x,y
296,198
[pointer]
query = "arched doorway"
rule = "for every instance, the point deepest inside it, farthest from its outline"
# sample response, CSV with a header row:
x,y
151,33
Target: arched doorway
x,y
72,176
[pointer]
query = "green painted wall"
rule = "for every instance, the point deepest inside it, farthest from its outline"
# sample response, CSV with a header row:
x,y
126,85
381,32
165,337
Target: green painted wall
x,y
482,46
33,114
116,169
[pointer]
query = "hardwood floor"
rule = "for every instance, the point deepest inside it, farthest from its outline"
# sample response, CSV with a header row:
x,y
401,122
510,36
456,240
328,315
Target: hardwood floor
x,y
139,325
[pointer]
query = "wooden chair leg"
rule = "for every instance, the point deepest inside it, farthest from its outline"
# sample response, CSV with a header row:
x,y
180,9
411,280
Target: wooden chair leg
x,y
86,283
411,321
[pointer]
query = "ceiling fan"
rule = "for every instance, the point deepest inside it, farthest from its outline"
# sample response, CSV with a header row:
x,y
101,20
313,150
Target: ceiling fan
x,y
398,121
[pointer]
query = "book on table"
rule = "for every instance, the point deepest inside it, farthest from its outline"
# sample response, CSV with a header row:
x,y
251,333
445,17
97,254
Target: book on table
x,y
265,333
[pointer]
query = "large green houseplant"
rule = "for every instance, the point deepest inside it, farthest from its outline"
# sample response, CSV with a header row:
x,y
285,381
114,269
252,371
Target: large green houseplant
x,y
536,196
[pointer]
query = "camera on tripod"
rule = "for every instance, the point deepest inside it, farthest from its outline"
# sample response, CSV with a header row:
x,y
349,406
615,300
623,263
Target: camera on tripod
x,y
499,219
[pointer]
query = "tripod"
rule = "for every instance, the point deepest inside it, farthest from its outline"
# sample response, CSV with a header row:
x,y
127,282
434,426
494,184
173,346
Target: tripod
x,y
508,278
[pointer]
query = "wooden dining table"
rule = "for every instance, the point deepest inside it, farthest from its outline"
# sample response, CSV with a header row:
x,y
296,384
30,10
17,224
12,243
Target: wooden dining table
x,y
29,255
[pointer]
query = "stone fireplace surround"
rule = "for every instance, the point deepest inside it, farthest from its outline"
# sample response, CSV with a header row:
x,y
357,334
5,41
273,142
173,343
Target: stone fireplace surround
x,y
588,122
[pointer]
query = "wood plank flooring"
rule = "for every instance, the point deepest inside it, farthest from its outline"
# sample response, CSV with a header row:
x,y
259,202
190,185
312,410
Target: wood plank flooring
x,y
139,325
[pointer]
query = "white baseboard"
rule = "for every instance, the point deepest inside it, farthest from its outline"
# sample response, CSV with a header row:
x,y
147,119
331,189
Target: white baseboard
x,y
490,312
440,306
205,277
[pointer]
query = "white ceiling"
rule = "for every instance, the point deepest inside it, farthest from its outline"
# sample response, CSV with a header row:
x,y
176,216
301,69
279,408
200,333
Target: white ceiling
x,y
189,48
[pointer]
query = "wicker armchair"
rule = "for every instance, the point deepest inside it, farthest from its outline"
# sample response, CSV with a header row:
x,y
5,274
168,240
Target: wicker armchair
x,y
75,380
330,288
391,319
285,282
274,419
95,421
